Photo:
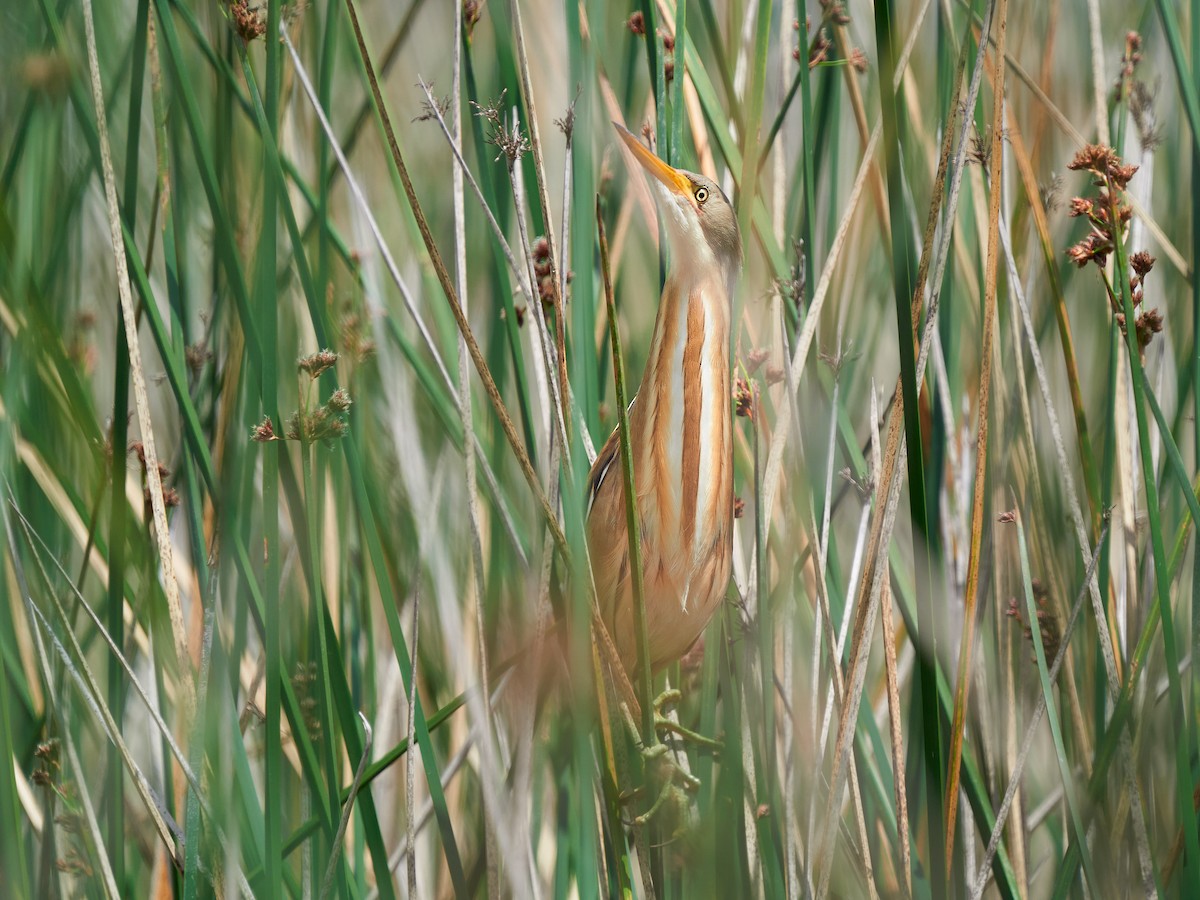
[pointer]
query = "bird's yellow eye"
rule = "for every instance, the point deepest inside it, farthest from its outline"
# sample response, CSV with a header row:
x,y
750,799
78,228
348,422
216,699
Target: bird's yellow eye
x,y
701,194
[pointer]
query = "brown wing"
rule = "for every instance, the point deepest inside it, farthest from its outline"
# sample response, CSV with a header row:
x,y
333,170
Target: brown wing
x,y
609,453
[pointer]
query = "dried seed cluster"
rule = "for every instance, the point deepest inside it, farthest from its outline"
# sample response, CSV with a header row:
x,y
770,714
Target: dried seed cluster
x,y
1108,213
308,425
833,12
1047,621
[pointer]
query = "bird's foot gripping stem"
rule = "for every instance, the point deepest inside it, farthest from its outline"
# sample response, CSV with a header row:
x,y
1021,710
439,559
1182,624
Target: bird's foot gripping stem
x,y
664,725
662,767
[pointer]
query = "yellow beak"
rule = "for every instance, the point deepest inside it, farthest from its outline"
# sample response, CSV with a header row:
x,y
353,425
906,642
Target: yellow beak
x,y
675,181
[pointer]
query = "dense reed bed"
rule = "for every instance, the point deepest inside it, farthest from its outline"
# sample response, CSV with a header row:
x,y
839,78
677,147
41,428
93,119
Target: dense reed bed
x,y
307,344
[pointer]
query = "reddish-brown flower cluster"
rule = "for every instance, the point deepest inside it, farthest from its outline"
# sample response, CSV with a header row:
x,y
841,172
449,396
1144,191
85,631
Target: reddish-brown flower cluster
x,y
743,397
1108,213
818,52
248,22
471,12
354,331
1047,621
308,425
668,43
1150,322
318,363
170,495
833,12
541,271
1129,62
263,432
636,24
1105,164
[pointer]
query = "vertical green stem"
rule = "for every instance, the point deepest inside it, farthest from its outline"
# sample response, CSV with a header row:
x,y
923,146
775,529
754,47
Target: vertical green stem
x,y
632,521
266,313
902,255
1183,791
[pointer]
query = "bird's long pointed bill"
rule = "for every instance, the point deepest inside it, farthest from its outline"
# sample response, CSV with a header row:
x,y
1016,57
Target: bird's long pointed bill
x,y
671,179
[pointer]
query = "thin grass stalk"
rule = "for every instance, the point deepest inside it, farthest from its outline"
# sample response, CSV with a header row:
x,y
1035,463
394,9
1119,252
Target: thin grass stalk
x,y
119,431
677,104
274,798
192,823
1183,793
1014,778
807,152
1170,251
447,286
356,190
795,367
970,596
864,625
123,664
895,714
633,525
410,770
90,686
752,138
539,168
168,834
1194,721
894,451
521,272
103,857
551,360
374,770
1064,766
107,876
324,626
405,849
53,706
141,399
907,297
1066,339
1189,91
331,867
633,521
1116,689
834,646
1099,82
476,569
766,747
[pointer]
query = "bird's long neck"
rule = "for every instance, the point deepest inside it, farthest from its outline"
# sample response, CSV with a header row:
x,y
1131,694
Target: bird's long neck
x,y
681,423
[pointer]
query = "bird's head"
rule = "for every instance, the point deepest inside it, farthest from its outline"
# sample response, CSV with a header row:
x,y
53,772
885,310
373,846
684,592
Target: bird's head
x,y
700,222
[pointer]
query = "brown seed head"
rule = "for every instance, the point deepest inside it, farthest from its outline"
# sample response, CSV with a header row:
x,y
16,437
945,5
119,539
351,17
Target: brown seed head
x,y
1142,262
1149,324
339,400
743,397
1080,206
264,431
249,23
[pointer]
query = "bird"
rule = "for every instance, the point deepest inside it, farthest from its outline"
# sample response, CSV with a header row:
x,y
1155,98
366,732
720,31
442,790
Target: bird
x,y
681,434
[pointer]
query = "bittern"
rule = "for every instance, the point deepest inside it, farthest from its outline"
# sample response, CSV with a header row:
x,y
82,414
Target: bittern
x,y
680,434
